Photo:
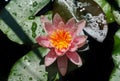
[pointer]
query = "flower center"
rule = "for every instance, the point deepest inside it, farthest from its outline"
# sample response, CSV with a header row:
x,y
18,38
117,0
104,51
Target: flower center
x,y
60,39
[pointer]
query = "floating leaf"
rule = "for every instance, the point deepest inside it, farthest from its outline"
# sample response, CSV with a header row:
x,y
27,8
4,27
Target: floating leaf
x,y
117,16
18,20
28,68
118,2
115,76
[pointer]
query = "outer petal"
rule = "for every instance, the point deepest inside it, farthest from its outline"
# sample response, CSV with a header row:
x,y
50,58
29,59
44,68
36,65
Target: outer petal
x,y
43,41
78,42
70,24
44,19
56,19
61,25
80,25
49,28
50,57
80,39
73,47
74,57
62,64
82,44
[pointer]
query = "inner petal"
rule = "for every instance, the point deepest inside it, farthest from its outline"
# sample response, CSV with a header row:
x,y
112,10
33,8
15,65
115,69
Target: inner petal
x,y
60,39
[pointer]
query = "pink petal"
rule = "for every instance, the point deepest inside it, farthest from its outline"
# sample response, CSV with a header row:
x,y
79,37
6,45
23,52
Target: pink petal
x,y
62,64
71,23
61,25
60,52
78,42
82,44
70,26
44,19
50,57
56,19
80,25
80,39
43,41
49,27
73,47
74,57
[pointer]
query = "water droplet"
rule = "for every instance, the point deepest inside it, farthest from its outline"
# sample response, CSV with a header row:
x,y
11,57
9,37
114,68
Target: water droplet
x,y
31,17
24,67
31,11
6,0
43,30
44,75
35,4
33,35
20,78
19,6
30,78
9,8
14,13
34,26
14,74
40,71
26,60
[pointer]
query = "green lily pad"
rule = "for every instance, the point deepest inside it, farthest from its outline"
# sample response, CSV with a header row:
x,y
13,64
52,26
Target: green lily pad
x,y
28,68
118,2
117,16
18,21
115,76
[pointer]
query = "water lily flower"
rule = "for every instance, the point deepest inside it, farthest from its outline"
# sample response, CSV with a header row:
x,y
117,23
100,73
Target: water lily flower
x,y
63,39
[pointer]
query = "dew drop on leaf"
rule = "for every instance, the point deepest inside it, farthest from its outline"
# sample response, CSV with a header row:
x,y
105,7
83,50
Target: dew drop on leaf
x,y
14,13
33,34
34,26
35,4
31,17
30,78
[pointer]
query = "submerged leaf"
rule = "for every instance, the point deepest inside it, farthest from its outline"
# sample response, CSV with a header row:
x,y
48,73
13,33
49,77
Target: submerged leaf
x,y
107,8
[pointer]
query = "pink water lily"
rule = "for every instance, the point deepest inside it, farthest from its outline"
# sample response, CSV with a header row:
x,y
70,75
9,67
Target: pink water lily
x,y
63,39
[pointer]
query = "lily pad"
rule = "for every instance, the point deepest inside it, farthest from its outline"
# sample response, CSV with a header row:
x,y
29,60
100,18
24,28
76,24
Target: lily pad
x,y
17,20
115,76
117,16
28,68
118,2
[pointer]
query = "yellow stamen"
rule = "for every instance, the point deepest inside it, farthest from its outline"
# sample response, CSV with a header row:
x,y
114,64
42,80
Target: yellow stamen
x,y
60,39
